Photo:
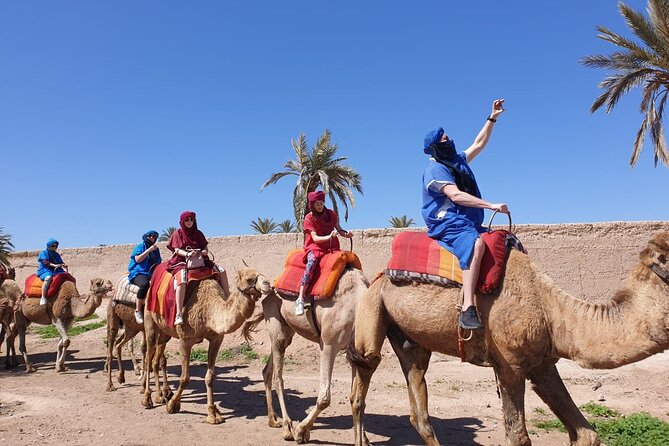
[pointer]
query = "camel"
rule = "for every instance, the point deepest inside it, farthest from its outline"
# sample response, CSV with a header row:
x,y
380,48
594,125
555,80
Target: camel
x,y
208,315
125,313
10,296
334,319
529,325
59,311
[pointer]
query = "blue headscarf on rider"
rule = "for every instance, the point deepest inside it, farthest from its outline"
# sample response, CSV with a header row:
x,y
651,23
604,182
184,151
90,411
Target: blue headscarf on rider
x,y
444,153
147,234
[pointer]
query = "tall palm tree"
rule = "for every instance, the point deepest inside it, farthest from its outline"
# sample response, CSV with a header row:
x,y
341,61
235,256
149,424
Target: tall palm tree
x,y
401,222
166,234
264,225
6,247
644,63
286,226
319,166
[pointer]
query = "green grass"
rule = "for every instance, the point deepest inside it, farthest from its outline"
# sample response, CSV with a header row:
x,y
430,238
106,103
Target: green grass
x,y
49,331
198,354
244,350
615,429
247,351
88,318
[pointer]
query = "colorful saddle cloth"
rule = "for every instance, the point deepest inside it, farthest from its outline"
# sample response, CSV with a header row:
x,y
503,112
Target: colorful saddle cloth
x,y
33,285
417,257
126,292
326,276
162,299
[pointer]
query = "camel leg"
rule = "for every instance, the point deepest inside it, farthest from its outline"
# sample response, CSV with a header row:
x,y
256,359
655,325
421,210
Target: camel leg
x,y
185,346
151,339
548,384
128,334
281,336
214,416
328,355
414,364
159,363
364,354
512,390
112,331
21,327
136,363
63,344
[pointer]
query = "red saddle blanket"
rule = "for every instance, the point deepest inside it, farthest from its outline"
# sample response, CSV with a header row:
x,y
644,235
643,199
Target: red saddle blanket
x,y
416,256
162,298
326,276
33,284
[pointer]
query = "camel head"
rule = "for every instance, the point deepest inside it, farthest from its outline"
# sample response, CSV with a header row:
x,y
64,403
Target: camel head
x,y
100,287
252,284
656,255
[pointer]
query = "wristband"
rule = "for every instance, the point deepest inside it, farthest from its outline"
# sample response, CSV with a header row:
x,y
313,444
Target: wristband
x,y
492,119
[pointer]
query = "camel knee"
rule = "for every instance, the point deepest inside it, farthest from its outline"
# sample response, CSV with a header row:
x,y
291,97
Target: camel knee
x,y
323,402
183,382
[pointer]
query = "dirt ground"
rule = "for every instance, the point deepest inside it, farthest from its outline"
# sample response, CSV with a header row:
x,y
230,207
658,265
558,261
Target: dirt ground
x,y
73,408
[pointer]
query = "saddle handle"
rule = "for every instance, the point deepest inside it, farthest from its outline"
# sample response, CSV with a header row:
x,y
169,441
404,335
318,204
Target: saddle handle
x,y
493,216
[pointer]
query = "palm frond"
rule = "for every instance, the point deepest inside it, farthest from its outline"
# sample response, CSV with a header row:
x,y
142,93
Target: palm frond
x,y
166,233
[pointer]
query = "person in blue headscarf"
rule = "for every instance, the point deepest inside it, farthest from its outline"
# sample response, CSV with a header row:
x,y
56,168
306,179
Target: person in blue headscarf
x,y
142,260
50,263
453,207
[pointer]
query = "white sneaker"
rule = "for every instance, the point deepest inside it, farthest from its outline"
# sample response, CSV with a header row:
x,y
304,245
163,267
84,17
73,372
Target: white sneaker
x,y
178,320
42,301
138,317
299,307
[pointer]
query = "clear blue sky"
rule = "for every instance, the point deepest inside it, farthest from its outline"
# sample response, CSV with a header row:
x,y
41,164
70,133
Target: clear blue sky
x,y
107,107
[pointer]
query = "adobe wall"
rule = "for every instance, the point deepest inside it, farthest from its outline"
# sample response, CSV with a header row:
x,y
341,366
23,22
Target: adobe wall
x,y
586,260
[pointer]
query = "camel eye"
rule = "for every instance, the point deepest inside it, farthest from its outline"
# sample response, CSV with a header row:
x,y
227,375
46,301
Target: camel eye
x,y
662,258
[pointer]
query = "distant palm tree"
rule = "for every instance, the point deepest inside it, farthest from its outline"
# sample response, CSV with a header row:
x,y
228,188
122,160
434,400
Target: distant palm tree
x,y
315,167
286,226
644,63
264,225
401,222
6,247
166,234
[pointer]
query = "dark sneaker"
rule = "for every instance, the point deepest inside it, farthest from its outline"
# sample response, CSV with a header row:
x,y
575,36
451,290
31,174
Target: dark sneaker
x,y
307,304
469,319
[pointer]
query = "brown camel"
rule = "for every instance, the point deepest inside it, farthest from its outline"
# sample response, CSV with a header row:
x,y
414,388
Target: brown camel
x,y
208,314
334,318
10,296
124,313
529,325
59,311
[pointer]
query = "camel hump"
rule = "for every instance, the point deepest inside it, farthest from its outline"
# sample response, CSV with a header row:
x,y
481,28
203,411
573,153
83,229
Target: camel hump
x,y
326,277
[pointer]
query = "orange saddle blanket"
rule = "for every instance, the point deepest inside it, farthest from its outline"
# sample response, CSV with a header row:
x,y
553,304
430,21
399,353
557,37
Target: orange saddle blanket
x,y
162,298
326,276
33,284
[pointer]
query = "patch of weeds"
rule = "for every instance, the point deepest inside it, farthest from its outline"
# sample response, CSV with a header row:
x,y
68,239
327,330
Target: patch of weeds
x,y
289,360
198,354
540,411
167,355
455,388
599,411
265,359
247,351
87,318
225,355
550,425
49,331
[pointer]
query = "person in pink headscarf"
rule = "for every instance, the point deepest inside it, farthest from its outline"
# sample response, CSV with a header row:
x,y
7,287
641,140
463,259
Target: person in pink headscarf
x,y
321,228
185,240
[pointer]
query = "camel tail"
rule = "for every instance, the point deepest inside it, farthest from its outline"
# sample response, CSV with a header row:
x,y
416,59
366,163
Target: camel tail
x,y
250,326
355,358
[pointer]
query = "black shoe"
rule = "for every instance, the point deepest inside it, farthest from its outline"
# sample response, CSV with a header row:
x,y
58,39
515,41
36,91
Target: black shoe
x,y
469,319
307,304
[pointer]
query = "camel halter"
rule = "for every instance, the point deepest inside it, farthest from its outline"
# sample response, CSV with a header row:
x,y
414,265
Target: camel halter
x,y
247,291
662,274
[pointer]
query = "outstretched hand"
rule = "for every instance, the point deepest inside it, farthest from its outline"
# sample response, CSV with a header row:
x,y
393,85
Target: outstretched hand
x,y
497,108
500,207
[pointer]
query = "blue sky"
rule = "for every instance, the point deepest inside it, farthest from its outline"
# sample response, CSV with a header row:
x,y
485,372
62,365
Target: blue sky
x,y
111,114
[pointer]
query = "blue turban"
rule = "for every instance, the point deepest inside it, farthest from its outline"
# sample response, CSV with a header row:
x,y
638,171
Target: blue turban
x,y
431,138
52,241
147,234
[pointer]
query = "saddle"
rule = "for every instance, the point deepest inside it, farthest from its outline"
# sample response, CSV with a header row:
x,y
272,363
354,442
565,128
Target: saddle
x,y
126,292
416,257
162,299
33,284
326,276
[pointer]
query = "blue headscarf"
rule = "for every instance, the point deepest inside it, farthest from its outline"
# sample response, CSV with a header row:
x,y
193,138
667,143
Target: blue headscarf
x,y
445,154
51,241
147,234
431,138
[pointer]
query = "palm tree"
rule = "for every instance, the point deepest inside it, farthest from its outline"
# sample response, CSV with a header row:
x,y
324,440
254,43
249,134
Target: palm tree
x,y
401,222
644,63
315,167
166,234
286,226
6,247
264,225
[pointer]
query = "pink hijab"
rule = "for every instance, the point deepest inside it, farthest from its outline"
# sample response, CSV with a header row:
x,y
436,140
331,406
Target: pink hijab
x,y
185,237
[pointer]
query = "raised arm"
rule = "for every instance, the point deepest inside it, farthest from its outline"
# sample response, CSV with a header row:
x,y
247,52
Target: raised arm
x,y
485,132
468,200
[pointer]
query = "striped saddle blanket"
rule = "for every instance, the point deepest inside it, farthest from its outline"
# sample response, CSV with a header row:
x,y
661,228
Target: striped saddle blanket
x,y
162,299
326,276
33,284
126,292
